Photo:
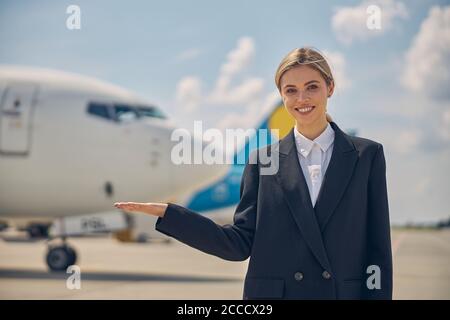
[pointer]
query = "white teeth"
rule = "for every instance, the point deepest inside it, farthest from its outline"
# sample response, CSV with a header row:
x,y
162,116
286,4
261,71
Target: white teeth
x,y
304,110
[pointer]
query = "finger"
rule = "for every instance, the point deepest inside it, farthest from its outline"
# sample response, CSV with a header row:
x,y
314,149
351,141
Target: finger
x,y
129,206
121,205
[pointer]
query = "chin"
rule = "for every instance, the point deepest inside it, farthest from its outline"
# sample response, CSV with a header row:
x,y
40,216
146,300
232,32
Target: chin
x,y
301,120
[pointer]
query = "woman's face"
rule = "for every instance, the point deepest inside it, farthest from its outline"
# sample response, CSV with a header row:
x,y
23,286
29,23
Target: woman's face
x,y
305,93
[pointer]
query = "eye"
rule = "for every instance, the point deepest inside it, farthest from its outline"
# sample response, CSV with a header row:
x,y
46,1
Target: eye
x,y
290,90
312,87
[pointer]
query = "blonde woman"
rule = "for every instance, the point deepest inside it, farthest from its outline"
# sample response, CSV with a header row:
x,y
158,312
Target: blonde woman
x,y
319,227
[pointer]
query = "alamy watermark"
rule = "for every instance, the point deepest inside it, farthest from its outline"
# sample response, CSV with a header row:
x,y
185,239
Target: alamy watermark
x,y
212,147
373,21
73,282
374,280
73,21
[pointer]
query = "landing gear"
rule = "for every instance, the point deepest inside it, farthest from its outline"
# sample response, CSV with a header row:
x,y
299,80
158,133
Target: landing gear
x,y
37,230
60,257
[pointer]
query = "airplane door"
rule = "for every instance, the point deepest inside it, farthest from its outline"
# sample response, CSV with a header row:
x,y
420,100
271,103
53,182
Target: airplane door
x,y
16,109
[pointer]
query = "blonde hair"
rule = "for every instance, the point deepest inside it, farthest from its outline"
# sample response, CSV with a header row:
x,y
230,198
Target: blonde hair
x,y
305,56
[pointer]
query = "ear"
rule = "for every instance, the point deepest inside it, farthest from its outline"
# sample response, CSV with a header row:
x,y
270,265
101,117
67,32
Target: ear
x,y
330,89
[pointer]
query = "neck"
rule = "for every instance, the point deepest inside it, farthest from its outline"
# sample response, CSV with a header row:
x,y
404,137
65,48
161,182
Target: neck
x,y
313,130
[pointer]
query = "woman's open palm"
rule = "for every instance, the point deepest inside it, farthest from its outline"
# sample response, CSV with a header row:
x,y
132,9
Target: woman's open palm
x,y
156,209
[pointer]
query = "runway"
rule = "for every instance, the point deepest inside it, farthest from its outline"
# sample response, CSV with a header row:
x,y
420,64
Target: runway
x,y
115,270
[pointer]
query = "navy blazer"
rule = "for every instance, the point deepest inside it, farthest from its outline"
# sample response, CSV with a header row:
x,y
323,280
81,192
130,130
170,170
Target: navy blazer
x,y
298,251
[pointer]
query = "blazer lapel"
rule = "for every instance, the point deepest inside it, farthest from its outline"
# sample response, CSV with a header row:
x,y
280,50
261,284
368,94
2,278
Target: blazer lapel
x,y
293,183
337,176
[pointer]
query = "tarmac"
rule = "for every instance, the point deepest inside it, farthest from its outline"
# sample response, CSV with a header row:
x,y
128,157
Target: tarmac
x,y
114,270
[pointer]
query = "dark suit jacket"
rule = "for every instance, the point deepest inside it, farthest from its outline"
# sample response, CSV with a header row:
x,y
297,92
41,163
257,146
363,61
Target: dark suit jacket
x,y
298,251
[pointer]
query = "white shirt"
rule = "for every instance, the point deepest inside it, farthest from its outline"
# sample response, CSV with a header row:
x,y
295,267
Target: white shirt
x,y
314,157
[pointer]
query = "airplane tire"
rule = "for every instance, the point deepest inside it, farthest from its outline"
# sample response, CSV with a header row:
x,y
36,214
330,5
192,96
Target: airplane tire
x,y
72,255
59,258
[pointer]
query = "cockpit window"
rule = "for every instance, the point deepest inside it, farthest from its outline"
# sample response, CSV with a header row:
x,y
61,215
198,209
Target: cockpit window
x,y
150,111
125,113
99,110
121,112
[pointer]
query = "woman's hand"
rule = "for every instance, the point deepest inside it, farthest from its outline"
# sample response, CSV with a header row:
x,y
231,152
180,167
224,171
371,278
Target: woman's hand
x,y
153,208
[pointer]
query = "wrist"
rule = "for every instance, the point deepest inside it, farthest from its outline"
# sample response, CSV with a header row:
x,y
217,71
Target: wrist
x,y
158,209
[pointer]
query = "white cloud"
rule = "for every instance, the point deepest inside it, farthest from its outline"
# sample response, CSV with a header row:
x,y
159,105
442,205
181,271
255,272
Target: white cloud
x,y
240,94
246,118
406,141
239,58
225,92
350,23
424,109
189,93
427,68
403,140
338,67
237,61
189,54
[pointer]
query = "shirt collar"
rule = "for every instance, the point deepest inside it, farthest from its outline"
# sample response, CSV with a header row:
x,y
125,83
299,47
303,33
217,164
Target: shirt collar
x,y
324,141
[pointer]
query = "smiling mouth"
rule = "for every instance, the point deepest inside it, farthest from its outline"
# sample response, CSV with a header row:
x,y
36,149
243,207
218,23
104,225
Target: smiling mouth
x,y
305,110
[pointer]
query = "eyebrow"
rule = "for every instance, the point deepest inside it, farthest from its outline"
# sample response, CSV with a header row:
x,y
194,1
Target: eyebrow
x,y
309,82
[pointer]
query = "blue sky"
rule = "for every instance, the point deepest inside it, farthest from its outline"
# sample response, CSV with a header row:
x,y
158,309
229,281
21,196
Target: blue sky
x,y
392,83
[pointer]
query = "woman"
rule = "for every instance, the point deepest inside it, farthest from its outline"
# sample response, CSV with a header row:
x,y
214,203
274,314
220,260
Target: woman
x,y
319,227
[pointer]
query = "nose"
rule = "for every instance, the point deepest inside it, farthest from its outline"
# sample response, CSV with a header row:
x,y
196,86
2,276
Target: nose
x,y
302,97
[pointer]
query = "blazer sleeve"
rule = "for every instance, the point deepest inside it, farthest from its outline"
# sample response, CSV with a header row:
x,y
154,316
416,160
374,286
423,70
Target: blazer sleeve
x,y
379,237
230,242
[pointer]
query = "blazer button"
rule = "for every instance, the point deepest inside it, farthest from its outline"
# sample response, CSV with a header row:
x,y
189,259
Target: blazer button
x,y
298,276
326,275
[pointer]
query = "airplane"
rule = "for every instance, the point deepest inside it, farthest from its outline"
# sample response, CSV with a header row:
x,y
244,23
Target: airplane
x,y
71,146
